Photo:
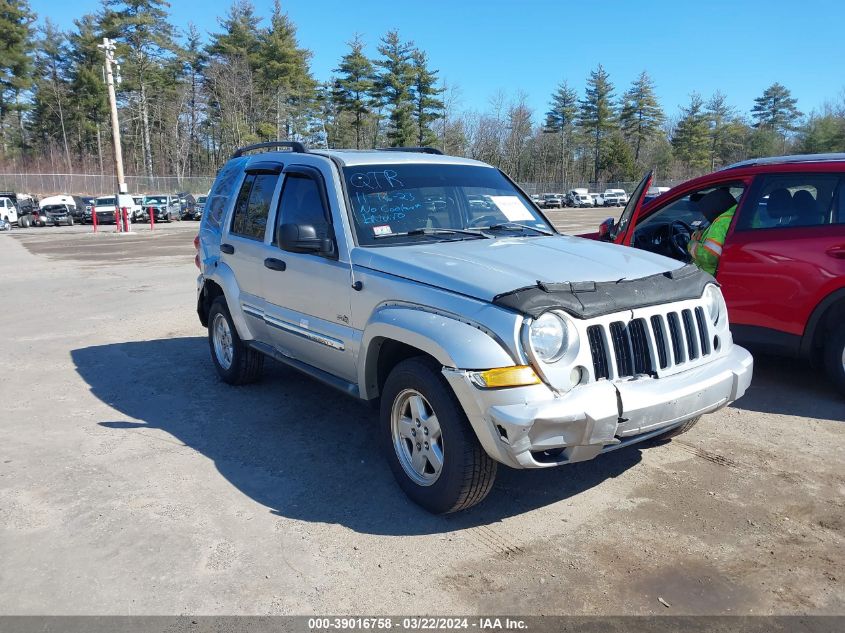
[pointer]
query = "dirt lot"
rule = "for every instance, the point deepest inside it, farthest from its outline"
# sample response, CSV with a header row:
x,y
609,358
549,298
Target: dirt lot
x,y
133,482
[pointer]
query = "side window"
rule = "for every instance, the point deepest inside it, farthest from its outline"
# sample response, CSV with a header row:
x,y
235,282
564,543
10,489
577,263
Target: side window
x,y
222,191
301,203
793,200
253,206
692,211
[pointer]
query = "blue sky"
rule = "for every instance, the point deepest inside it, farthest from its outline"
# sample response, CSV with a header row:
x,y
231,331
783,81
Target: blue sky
x,y
739,47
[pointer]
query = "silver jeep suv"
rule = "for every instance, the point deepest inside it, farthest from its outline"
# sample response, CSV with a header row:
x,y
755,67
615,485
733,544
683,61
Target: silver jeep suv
x,y
484,335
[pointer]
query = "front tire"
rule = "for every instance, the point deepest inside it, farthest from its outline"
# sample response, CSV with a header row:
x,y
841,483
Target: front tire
x,y
834,358
236,363
432,450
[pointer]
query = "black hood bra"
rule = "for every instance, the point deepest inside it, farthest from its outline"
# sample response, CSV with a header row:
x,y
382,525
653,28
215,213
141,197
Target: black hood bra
x,y
588,299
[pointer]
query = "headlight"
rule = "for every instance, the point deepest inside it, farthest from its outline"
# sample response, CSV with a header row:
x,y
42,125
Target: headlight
x,y
548,337
714,302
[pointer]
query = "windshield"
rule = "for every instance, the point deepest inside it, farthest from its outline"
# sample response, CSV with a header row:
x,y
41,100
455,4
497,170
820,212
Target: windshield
x,y
201,200
392,200
104,202
155,200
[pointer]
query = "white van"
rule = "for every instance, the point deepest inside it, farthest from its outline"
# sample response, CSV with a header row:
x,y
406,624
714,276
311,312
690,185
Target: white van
x,y
104,207
579,198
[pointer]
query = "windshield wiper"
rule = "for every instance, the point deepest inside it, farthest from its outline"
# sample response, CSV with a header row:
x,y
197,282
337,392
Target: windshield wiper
x,y
515,225
432,231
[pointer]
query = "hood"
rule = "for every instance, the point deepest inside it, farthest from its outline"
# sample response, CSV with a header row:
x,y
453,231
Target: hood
x,y
487,268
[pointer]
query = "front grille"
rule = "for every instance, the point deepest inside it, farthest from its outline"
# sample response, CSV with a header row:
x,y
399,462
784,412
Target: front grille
x,y
644,346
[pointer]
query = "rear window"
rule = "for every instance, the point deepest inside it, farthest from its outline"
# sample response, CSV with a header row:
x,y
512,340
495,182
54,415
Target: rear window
x,y
104,202
222,191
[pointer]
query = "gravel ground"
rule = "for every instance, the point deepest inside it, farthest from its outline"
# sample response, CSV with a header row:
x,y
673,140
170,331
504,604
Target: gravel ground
x,y
133,482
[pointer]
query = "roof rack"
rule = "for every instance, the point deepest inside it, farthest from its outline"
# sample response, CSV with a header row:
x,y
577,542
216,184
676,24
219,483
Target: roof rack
x,y
295,146
795,158
418,150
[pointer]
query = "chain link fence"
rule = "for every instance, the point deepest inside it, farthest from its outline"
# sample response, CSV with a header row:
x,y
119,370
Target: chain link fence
x,y
99,184
558,187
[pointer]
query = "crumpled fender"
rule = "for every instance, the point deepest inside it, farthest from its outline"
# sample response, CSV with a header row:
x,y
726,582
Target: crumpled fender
x,y
224,277
452,342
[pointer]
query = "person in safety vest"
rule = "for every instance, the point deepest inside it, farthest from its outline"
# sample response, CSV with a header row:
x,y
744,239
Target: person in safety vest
x,y
705,245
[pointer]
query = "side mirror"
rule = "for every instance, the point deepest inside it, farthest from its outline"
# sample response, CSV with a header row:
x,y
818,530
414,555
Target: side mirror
x,y
606,230
302,238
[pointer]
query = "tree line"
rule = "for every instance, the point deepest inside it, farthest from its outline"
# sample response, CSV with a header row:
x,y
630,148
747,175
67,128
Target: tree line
x,y
186,102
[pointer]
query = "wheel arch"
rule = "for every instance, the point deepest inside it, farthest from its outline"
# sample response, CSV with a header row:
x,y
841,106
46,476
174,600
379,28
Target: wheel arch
x,y
396,332
223,283
829,309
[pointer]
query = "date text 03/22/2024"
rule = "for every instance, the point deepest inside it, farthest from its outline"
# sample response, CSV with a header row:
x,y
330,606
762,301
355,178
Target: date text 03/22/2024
x,y
416,623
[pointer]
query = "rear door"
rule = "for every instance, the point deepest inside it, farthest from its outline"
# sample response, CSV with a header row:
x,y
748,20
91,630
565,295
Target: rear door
x,y
242,244
785,252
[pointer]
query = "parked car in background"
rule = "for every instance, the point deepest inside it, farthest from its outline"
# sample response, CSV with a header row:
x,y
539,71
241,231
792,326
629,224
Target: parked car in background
x,y
537,199
163,207
579,198
196,212
782,265
552,201
8,211
26,207
187,201
615,197
58,209
653,192
83,209
598,199
138,201
104,207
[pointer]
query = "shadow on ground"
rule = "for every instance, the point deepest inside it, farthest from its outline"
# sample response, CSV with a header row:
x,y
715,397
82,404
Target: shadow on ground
x,y
788,386
296,446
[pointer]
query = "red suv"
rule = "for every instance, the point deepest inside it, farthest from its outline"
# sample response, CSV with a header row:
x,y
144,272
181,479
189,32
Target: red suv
x,y
782,268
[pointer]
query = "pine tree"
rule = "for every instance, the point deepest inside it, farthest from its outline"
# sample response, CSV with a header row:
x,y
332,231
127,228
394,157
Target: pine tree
x,y
353,90
145,40
284,76
641,116
597,117
560,120
691,139
16,51
776,109
89,106
394,85
51,105
239,37
427,107
726,131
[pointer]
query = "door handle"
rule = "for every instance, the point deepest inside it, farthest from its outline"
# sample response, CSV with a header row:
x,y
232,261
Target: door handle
x,y
837,251
274,264
227,248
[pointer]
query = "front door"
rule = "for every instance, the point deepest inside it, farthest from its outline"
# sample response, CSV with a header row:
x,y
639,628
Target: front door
x,y
308,295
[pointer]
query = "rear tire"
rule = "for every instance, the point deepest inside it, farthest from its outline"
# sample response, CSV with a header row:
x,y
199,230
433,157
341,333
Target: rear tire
x,y
443,467
678,430
834,358
236,363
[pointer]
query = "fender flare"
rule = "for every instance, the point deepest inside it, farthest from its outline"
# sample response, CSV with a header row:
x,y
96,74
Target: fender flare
x,y
225,278
452,342
814,321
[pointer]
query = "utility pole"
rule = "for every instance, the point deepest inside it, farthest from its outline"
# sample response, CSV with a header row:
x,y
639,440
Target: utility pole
x,y
108,48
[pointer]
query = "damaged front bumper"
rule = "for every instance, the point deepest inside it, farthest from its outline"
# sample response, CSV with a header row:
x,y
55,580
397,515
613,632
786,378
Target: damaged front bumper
x,y
532,427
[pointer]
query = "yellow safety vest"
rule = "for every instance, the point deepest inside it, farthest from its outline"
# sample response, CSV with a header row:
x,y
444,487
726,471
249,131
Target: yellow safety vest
x,y
705,246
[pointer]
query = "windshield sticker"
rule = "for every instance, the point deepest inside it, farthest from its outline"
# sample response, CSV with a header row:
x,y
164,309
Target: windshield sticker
x,y
512,207
383,229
